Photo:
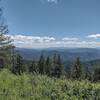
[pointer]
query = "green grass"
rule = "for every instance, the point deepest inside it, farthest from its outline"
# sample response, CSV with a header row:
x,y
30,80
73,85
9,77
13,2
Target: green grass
x,y
37,87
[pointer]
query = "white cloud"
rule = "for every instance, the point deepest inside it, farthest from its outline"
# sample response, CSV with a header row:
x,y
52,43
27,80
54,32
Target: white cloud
x,y
94,36
50,1
24,41
55,1
70,39
33,39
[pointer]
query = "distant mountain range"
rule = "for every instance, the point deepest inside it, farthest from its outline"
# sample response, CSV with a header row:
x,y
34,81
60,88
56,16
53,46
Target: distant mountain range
x,y
67,54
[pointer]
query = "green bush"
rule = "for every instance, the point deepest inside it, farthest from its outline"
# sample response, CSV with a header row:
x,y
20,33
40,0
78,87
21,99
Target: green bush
x,y
41,87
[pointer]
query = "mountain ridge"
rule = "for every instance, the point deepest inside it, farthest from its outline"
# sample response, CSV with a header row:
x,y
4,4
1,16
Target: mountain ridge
x,y
67,54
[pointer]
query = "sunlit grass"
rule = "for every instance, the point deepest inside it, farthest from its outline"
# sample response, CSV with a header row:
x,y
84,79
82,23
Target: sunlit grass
x,y
41,87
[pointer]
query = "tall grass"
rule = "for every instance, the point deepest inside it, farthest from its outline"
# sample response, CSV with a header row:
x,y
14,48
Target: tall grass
x,y
41,87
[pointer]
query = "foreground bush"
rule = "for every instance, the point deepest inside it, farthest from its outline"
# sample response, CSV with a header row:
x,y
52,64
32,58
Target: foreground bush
x,y
37,87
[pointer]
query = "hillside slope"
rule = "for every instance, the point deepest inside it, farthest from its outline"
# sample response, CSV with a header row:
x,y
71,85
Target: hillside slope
x,y
37,87
85,54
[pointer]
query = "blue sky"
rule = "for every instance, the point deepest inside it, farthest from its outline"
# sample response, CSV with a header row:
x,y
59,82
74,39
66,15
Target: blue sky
x,y
53,23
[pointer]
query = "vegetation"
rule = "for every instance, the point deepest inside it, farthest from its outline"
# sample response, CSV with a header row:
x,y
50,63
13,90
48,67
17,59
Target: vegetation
x,y
5,43
42,87
19,68
45,78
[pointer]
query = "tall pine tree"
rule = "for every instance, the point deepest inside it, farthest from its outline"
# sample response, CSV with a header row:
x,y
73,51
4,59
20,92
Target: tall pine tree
x,y
19,68
48,65
96,75
33,67
57,66
41,64
77,70
5,43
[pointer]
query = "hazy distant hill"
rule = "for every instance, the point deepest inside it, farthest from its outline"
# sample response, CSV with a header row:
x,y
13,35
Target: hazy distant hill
x,y
92,65
85,54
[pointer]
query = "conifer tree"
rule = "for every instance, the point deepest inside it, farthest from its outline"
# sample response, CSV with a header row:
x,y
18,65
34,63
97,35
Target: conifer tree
x,y
77,70
54,65
88,74
48,66
41,64
33,67
19,68
5,43
55,58
96,76
57,67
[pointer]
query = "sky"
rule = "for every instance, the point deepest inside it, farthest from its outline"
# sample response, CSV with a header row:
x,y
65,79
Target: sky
x,y
53,23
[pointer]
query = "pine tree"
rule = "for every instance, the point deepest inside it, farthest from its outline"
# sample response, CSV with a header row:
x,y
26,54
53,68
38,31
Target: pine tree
x,y
19,68
48,66
57,66
96,76
55,58
77,70
5,43
13,59
33,67
88,74
54,65
41,64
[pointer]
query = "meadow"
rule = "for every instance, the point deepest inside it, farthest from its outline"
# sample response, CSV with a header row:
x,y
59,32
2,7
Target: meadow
x,y
42,87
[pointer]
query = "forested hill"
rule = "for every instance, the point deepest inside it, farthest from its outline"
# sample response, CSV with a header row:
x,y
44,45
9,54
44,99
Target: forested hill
x,y
85,54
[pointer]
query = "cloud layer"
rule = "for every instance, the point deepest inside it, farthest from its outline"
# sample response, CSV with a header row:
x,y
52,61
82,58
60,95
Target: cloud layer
x,y
70,39
94,36
55,1
50,1
24,41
